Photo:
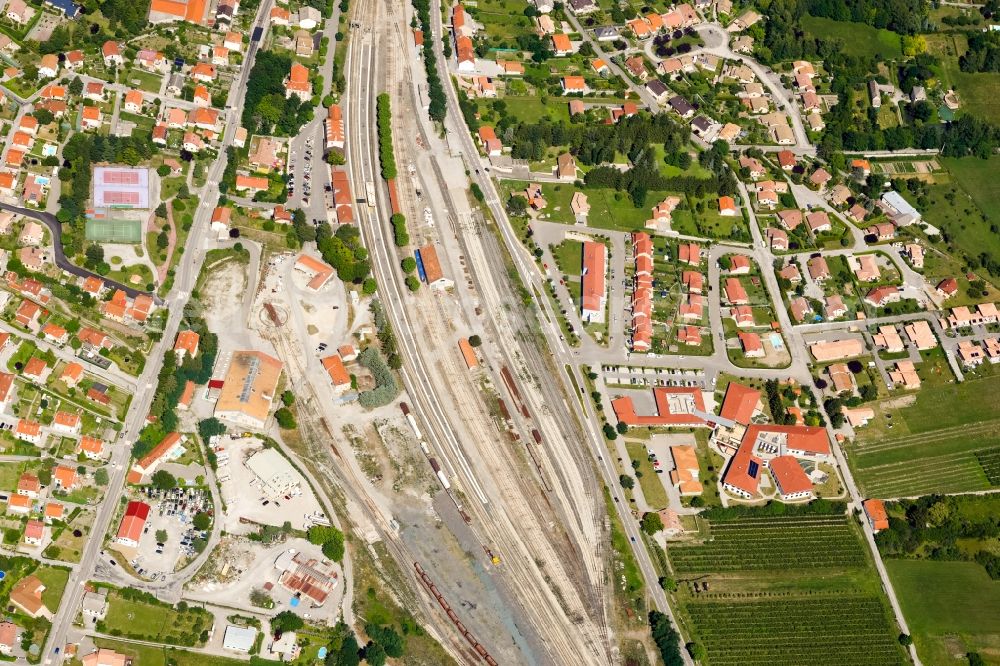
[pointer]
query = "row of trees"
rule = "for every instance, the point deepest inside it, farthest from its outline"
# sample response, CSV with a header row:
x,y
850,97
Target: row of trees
x,y
437,105
595,144
384,120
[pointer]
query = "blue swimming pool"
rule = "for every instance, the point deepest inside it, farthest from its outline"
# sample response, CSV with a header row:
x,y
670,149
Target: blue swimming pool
x,y
776,341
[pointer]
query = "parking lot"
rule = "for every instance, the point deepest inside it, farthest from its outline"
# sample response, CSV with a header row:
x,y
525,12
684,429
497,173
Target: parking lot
x,y
244,497
172,512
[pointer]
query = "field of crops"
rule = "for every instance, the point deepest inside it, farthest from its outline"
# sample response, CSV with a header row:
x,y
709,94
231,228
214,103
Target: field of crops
x,y
773,543
948,460
842,629
989,460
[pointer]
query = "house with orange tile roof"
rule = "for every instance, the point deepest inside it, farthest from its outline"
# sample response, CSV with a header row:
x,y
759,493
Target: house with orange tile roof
x,y
34,533
65,477
26,595
9,637
751,344
192,11
593,297
689,253
36,369
95,338
28,485
251,183
53,511
675,406
186,344
27,314
112,53
735,293
573,84
187,395
91,447
741,404
689,335
7,389
55,333
339,376
875,511
169,448
686,470
203,72
319,272
28,431
67,423
790,479
561,45
727,207
90,117
19,505
133,101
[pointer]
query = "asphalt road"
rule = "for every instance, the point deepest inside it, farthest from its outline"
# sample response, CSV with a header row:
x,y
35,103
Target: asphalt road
x,y
187,273
55,226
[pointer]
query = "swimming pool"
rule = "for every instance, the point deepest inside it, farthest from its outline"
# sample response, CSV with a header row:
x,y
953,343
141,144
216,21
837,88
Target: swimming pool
x,y
776,341
42,180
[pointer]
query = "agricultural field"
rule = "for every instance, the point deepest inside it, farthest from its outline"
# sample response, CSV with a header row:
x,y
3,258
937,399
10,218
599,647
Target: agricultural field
x,y
802,541
755,567
841,629
951,607
944,441
859,40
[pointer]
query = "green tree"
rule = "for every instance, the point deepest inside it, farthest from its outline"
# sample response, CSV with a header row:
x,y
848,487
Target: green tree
x,y
697,651
905,640
161,536
285,419
412,283
408,264
475,341
626,481
375,654
369,286
288,398
209,428
163,480
651,523
75,87
286,621
201,521
101,476
668,583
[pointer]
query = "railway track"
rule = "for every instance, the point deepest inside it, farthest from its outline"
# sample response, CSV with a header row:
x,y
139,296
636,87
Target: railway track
x,y
491,524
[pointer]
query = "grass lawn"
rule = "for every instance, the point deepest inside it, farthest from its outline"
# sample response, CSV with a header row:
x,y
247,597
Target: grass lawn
x,y
652,487
951,607
977,91
55,580
154,621
859,39
569,257
169,187
145,80
608,209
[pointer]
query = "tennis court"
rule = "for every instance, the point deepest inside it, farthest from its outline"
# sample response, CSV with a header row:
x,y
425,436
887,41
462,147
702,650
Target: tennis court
x,y
114,231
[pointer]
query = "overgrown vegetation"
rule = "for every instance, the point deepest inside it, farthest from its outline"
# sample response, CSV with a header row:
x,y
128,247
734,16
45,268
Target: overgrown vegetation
x,y
266,110
170,386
